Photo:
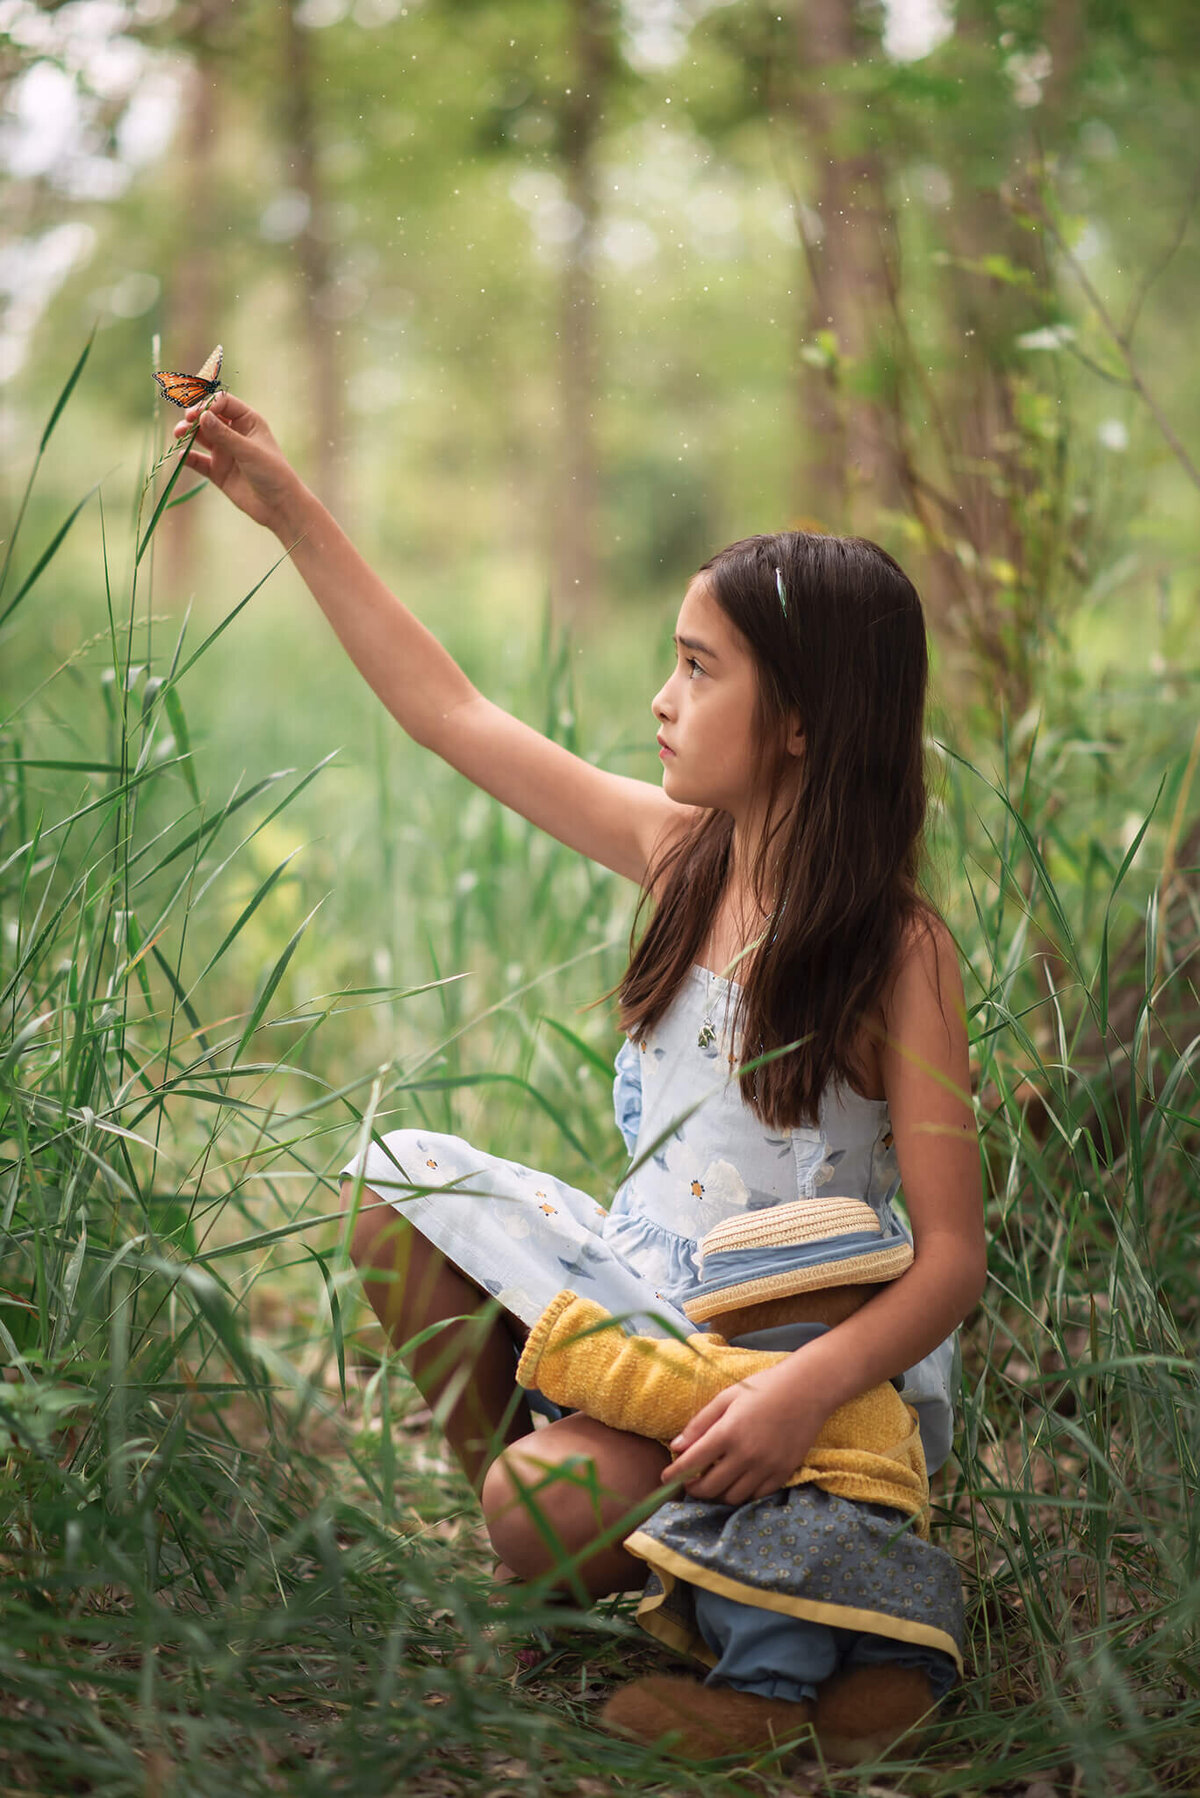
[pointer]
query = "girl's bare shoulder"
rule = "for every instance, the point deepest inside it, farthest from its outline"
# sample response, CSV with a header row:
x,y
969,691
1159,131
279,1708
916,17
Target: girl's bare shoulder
x,y
924,1035
926,961
922,1021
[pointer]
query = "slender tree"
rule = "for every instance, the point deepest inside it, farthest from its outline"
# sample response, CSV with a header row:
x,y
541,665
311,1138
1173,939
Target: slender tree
x,y
576,558
193,291
990,504
300,133
850,464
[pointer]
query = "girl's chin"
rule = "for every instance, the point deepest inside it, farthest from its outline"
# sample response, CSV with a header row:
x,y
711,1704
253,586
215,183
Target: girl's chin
x,y
678,789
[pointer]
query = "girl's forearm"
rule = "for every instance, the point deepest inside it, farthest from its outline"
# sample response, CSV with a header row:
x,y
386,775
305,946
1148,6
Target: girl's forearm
x,y
904,1322
418,681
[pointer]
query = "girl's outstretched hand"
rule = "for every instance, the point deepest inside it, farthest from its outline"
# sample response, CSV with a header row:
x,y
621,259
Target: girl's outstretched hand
x,y
239,455
746,1442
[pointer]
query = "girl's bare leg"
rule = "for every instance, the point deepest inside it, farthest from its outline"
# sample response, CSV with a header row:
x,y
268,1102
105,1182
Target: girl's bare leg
x,y
409,1286
551,1494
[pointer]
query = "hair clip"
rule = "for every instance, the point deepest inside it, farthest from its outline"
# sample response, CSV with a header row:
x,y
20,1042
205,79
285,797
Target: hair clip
x,y
781,590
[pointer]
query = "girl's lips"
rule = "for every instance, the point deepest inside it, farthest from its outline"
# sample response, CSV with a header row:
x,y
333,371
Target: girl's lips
x,y
664,749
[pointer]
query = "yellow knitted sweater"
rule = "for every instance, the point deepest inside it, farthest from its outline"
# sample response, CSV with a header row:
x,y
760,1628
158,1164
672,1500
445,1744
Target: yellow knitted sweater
x,y
868,1449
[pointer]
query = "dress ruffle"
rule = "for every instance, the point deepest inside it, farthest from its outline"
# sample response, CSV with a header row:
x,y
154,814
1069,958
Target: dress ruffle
x,y
627,1093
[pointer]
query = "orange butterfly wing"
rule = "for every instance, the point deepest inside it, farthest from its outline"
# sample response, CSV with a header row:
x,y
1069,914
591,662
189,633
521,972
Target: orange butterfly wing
x,y
183,390
189,390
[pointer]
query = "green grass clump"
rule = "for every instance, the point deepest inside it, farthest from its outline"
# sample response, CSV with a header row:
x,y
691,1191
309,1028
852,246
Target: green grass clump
x,y
235,1558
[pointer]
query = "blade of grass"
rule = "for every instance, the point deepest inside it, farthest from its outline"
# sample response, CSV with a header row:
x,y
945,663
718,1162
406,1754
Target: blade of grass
x,y
56,412
46,557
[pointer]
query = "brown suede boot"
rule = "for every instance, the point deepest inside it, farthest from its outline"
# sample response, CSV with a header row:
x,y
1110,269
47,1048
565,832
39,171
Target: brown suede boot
x,y
702,1721
862,1712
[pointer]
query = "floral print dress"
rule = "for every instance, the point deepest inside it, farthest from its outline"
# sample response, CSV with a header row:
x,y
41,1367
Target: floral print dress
x,y
699,1155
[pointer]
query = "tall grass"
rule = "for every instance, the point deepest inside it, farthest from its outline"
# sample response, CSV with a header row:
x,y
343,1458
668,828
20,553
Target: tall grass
x,y
235,1557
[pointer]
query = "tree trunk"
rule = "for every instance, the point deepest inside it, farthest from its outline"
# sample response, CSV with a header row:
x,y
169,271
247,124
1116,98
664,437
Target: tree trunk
x,y
316,275
576,577
850,465
192,297
990,551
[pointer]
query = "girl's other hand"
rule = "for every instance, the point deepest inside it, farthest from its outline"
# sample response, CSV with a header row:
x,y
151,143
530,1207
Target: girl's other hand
x,y
241,457
745,1443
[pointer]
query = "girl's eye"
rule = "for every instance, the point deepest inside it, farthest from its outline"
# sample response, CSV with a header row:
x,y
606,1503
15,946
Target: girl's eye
x,y
694,668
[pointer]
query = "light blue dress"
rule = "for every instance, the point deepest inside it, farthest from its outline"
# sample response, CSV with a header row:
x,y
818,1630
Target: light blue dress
x,y
699,1156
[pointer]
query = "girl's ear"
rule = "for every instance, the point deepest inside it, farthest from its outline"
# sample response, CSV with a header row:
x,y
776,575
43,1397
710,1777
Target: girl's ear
x,y
795,736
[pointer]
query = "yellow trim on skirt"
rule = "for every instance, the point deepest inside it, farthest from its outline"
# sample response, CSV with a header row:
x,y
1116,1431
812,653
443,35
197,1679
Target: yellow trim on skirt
x,y
670,1566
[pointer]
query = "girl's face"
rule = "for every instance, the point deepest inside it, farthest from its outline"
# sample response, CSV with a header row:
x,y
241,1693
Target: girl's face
x,y
707,710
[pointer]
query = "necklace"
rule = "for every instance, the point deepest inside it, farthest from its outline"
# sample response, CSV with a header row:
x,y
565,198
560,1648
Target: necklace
x,y
706,1038
708,1034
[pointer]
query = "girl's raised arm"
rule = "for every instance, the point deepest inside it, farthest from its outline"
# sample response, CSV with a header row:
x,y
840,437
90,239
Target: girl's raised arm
x,y
613,819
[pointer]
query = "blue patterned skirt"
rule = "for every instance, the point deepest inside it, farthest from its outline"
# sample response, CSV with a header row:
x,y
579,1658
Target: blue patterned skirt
x,y
806,1554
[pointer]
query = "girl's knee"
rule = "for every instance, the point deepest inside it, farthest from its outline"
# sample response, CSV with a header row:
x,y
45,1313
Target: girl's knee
x,y
507,1516
555,1493
531,1513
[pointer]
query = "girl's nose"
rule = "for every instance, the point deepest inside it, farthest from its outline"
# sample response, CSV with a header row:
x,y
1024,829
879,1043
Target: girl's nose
x,y
662,705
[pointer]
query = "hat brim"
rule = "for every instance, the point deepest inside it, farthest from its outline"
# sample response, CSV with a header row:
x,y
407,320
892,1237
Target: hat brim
x,y
876,1265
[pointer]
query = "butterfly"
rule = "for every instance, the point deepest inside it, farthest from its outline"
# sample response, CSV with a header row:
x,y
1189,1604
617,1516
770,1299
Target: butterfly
x,y
189,390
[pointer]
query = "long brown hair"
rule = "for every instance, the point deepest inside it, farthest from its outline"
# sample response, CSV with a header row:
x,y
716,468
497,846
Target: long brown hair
x,y
843,650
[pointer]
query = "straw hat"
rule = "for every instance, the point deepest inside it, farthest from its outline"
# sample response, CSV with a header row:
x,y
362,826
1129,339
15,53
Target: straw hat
x,y
807,1245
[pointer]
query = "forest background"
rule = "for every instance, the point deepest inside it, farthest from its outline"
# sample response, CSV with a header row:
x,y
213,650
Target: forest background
x,y
548,300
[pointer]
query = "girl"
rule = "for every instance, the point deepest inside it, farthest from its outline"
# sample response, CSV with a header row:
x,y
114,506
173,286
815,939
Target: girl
x,y
794,1014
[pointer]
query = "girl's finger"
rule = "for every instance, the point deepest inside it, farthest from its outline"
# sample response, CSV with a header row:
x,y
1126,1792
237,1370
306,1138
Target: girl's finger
x,y
739,1492
697,1461
224,406
686,1466
700,1423
234,411
199,463
712,1483
212,429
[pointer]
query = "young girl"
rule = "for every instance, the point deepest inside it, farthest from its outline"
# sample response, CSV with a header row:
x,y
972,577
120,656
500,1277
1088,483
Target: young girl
x,y
794,1013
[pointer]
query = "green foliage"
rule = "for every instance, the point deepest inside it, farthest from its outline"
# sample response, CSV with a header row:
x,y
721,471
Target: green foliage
x,y
167,1119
